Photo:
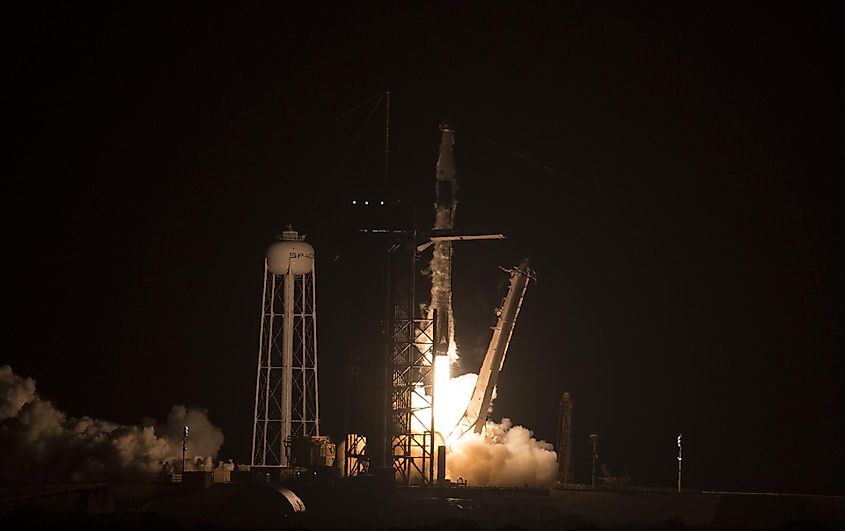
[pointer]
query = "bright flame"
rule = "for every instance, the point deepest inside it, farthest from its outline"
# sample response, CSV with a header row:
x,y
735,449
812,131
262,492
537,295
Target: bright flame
x,y
442,404
451,395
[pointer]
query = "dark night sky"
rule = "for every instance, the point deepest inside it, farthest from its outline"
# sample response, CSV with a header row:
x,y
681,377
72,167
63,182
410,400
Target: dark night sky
x,y
687,243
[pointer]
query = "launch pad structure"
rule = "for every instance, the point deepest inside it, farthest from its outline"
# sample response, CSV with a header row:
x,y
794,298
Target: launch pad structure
x,y
411,371
404,444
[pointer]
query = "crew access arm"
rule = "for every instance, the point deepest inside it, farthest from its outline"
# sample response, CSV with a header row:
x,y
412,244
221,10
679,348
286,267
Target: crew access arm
x,y
476,413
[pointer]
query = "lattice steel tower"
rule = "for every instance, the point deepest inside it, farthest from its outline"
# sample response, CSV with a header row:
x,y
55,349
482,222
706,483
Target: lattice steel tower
x,y
410,362
286,391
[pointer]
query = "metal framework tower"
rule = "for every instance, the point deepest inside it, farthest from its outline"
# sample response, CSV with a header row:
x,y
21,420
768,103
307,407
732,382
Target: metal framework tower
x,y
286,390
358,404
411,364
356,461
403,445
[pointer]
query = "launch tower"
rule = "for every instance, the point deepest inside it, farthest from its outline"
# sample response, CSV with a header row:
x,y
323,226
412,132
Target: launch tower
x,y
411,371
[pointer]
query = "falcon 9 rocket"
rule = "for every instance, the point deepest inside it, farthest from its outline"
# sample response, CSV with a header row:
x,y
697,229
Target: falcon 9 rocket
x,y
441,262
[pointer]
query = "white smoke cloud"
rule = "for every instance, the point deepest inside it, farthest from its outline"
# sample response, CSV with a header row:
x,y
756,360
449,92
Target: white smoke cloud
x,y
506,455
14,392
39,443
205,438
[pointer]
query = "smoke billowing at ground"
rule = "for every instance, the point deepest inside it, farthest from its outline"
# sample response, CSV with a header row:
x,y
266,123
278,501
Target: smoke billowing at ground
x,y
502,455
39,443
505,455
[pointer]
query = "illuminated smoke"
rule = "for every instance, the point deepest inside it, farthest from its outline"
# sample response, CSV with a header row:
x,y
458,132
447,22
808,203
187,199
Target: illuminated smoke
x,y
14,392
504,455
39,443
205,438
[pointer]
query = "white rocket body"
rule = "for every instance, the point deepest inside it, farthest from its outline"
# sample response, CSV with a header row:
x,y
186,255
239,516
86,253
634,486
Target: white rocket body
x,y
441,262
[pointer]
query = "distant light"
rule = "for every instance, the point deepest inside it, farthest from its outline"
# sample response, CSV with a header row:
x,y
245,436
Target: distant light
x,y
354,202
381,202
366,202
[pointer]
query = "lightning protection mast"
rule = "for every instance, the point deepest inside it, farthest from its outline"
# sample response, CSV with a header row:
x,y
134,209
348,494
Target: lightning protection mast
x,y
286,391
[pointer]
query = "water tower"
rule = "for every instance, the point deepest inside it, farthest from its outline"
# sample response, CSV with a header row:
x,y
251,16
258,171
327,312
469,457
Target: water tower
x,y
286,399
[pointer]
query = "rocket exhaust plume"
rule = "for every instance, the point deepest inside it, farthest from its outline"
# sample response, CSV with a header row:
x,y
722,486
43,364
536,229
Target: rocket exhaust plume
x,y
39,443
